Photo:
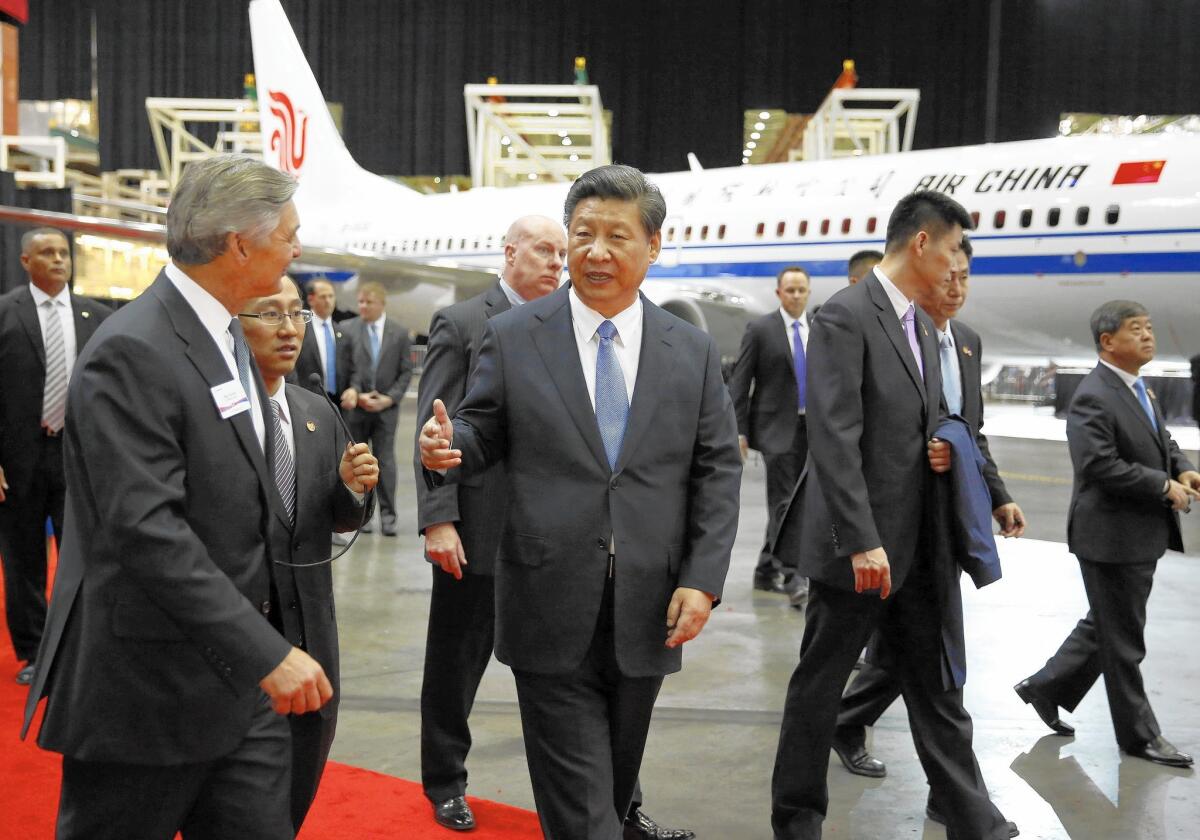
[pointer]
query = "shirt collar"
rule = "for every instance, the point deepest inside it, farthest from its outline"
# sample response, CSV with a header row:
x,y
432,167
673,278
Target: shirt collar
x,y
946,333
280,396
63,298
788,319
511,293
211,312
1126,377
379,322
627,321
899,302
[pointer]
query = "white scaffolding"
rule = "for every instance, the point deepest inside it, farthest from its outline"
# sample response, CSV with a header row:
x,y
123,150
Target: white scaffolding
x,y
860,121
173,124
522,133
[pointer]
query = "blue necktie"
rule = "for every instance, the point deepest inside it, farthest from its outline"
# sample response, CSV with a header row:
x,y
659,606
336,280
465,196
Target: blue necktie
x,y
951,379
373,329
799,363
330,361
1139,388
612,400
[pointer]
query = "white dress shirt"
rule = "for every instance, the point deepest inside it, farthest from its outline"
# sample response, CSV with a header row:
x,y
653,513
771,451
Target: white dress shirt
x,y
1128,378
514,299
627,343
215,318
899,302
66,317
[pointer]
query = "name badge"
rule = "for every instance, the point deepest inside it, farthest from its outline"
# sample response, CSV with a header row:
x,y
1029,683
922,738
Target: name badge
x,y
230,398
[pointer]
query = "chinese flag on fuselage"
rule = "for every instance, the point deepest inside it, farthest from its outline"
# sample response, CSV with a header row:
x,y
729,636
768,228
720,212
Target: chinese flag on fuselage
x,y
1140,172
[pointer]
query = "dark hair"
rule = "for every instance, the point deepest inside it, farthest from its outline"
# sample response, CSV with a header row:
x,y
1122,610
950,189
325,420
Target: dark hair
x,y
311,286
788,270
859,259
621,182
927,210
967,247
1109,317
30,235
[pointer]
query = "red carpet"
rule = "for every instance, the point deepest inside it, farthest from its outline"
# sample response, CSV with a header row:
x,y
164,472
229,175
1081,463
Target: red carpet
x,y
352,804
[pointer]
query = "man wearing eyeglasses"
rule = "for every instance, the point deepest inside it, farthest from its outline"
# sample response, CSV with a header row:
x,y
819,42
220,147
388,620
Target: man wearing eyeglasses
x,y
328,480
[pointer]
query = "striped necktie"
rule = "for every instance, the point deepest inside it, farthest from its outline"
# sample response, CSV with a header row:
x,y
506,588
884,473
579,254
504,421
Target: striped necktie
x,y
283,467
54,395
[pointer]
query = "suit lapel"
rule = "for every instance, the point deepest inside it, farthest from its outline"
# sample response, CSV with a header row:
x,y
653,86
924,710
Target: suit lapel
x,y
894,330
210,363
932,390
85,321
778,336
655,365
495,301
554,338
1125,396
28,315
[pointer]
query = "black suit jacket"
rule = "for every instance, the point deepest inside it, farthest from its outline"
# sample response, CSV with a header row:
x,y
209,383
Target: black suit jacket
x,y
671,502
309,361
323,505
156,638
477,503
766,412
1121,463
870,416
23,378
394,371
970,361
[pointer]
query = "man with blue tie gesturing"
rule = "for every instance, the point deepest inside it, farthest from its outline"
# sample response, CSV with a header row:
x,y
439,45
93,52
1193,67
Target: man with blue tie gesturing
x,y
767,387
620,443
1131,482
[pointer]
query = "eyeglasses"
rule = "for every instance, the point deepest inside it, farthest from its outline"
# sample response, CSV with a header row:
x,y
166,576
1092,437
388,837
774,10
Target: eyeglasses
x,y
274,319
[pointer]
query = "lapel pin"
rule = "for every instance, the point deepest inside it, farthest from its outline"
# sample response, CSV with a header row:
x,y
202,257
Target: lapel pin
x,y
924,330
85,314
1150,393
311,426
967,351
338,334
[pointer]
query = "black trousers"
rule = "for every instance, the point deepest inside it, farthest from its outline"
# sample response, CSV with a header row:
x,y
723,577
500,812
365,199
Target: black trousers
x,y
1109,640
585,732
379,430
458,646
837,625
865,701
23,547
241,796
783,471
312,738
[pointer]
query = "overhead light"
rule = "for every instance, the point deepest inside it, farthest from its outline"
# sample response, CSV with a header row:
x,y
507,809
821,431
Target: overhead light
x,y
562,132
751,145
759,126
437,179
552,113
574,158
566,141
754,135
504,141
532,176
764,115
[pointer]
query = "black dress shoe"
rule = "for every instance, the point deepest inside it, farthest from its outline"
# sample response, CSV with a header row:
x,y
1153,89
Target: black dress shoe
x,y
1047,710
772,582
857,760
388,530
1160,751
638,826
933,815
797,591
25,675
454,814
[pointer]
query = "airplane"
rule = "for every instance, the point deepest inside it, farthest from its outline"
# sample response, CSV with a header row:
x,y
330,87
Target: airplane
x,y
1062,224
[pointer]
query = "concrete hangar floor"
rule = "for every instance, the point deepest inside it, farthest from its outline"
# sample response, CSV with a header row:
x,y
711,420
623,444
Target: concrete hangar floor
x,y
712,743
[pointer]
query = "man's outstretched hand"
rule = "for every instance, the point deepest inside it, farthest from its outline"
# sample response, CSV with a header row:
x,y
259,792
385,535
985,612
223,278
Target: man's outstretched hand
x,y
436,437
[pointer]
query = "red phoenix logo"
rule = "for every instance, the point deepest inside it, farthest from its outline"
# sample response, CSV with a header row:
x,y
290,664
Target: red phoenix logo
x,y
288,139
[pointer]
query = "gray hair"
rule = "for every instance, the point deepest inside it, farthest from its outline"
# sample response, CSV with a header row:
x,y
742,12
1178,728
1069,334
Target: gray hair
x,y
221,195
1109,317
28,236
620,182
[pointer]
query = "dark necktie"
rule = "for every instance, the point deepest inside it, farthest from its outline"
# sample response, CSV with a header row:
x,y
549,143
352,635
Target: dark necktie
x,y
283,467
612,400
241,355
799,363
910,329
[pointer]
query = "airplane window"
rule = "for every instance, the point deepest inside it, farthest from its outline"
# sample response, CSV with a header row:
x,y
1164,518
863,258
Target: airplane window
x,y
721,232
437,244
974,220
1081,216
1112,214
804,228
704,232
845,225
824,227
671,234
1026,218
780,228
489,242
393,247
871,225
1052,216
426,248
687,234
758,230
462,244
998,220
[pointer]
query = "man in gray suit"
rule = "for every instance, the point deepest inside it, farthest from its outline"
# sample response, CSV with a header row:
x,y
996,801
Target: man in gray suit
x,y
167,672
382,370
620,445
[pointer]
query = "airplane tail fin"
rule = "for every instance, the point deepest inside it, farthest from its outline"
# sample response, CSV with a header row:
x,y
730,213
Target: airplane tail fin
x,y
298,132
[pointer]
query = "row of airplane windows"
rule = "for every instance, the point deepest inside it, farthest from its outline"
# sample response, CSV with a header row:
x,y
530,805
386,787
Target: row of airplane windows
x,y
999,220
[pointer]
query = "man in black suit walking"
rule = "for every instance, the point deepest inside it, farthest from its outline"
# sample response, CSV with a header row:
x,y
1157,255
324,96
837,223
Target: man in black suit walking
x,y
43,326
860,525
1131,482
330,481
327,351
382,370
166,671
961,355
620,446
767,387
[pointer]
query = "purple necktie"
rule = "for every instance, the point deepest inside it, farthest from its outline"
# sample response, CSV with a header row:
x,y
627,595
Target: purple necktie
x,y
799,363
910,329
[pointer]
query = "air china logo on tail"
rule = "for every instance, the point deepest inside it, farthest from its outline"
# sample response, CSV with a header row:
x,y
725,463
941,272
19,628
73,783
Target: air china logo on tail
x,y
288,139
